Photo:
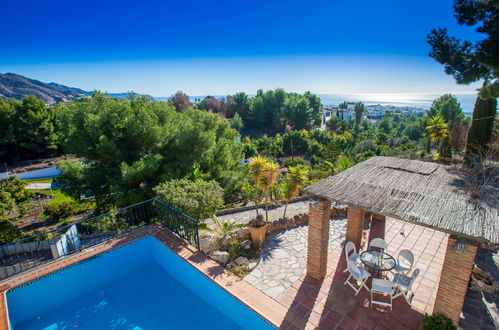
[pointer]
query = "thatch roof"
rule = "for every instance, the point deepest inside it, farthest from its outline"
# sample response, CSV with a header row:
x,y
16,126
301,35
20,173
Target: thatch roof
x,y
429,194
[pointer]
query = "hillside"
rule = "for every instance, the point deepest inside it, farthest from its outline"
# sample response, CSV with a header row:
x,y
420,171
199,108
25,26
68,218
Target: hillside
x,y
17,86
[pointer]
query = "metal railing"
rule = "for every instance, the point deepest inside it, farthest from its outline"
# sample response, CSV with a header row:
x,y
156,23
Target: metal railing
x,y
33,251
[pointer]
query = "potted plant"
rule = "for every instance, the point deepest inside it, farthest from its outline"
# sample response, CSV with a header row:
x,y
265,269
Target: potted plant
x,y
258,229
265,173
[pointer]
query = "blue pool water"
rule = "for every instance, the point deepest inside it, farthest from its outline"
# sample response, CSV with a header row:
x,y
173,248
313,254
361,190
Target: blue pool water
x,y
142,285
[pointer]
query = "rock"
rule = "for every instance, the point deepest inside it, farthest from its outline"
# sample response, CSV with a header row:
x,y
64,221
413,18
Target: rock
x,y
243,233
252,265
241,261
246,244
222,257
209,244
224,241
231,265
204,244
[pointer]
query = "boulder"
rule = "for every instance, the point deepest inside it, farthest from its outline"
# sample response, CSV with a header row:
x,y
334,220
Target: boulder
x,y
209,244
246,244
222,257
241,261
243,233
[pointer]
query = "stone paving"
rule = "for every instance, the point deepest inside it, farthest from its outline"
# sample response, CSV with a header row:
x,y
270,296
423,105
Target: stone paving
x,y
284,257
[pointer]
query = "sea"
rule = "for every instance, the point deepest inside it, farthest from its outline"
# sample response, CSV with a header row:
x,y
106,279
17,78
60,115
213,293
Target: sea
x,y
400,99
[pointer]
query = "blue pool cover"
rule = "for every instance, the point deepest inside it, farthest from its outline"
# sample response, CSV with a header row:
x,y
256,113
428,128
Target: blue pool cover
x,y
46,173
141,285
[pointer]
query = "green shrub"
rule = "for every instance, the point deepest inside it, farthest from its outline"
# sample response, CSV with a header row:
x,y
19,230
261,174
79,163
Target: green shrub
x,y
249,149
197,198
57,211
295,142
8,232
438,322
239,271
23,208
294,162
236,249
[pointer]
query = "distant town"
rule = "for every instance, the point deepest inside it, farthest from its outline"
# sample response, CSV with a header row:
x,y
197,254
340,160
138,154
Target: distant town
x,y
373,114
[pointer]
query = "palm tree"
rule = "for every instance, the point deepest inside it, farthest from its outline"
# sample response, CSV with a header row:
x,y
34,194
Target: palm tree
x,y
437,129
256,166
343,106
268,178
359,109
429,114
297,177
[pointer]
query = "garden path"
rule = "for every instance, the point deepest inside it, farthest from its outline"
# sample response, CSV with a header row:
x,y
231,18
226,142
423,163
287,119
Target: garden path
x,y
243,217
284,257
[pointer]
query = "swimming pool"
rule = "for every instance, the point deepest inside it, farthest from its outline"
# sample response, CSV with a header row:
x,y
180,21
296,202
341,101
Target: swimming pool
x,y
141,285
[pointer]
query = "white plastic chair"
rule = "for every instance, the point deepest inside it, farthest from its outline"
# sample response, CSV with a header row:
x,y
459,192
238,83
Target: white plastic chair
x,y
405,261
404,284
377,243
360,274
354,256
382,287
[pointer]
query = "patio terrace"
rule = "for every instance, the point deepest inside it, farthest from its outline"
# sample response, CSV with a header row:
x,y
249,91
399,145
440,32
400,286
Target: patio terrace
x,y
329,304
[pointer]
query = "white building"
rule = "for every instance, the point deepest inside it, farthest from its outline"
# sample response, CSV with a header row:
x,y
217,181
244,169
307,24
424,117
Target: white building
x,y
375,111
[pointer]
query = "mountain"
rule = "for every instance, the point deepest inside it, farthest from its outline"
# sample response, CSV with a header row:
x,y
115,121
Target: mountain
x,y
77,90
17,86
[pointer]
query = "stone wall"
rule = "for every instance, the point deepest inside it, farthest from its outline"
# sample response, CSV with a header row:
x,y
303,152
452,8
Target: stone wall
x,y
281,223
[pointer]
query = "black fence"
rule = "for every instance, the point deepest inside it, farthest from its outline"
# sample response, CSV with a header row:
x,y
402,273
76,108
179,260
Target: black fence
x,y
36,250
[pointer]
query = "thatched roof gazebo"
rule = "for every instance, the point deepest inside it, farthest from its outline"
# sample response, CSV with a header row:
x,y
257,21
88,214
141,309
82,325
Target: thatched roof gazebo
x,y
462,204
430,194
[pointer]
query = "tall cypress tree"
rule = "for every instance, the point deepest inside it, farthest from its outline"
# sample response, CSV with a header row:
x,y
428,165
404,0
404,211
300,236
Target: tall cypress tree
x,y
469,62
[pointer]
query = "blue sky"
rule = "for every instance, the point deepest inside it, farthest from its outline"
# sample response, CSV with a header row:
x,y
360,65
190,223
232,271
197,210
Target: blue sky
x,y
221,47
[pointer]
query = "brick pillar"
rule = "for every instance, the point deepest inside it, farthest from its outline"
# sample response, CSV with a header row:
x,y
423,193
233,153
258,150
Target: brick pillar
x,y
378,217
355,224
319,214
454,279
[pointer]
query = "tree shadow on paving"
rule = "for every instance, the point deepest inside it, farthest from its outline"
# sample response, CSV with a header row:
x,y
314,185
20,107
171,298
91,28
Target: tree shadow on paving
x,y
215,271
476,312
273,242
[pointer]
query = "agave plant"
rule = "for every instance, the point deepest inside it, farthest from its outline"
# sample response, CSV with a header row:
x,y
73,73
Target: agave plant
x,y
223,228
